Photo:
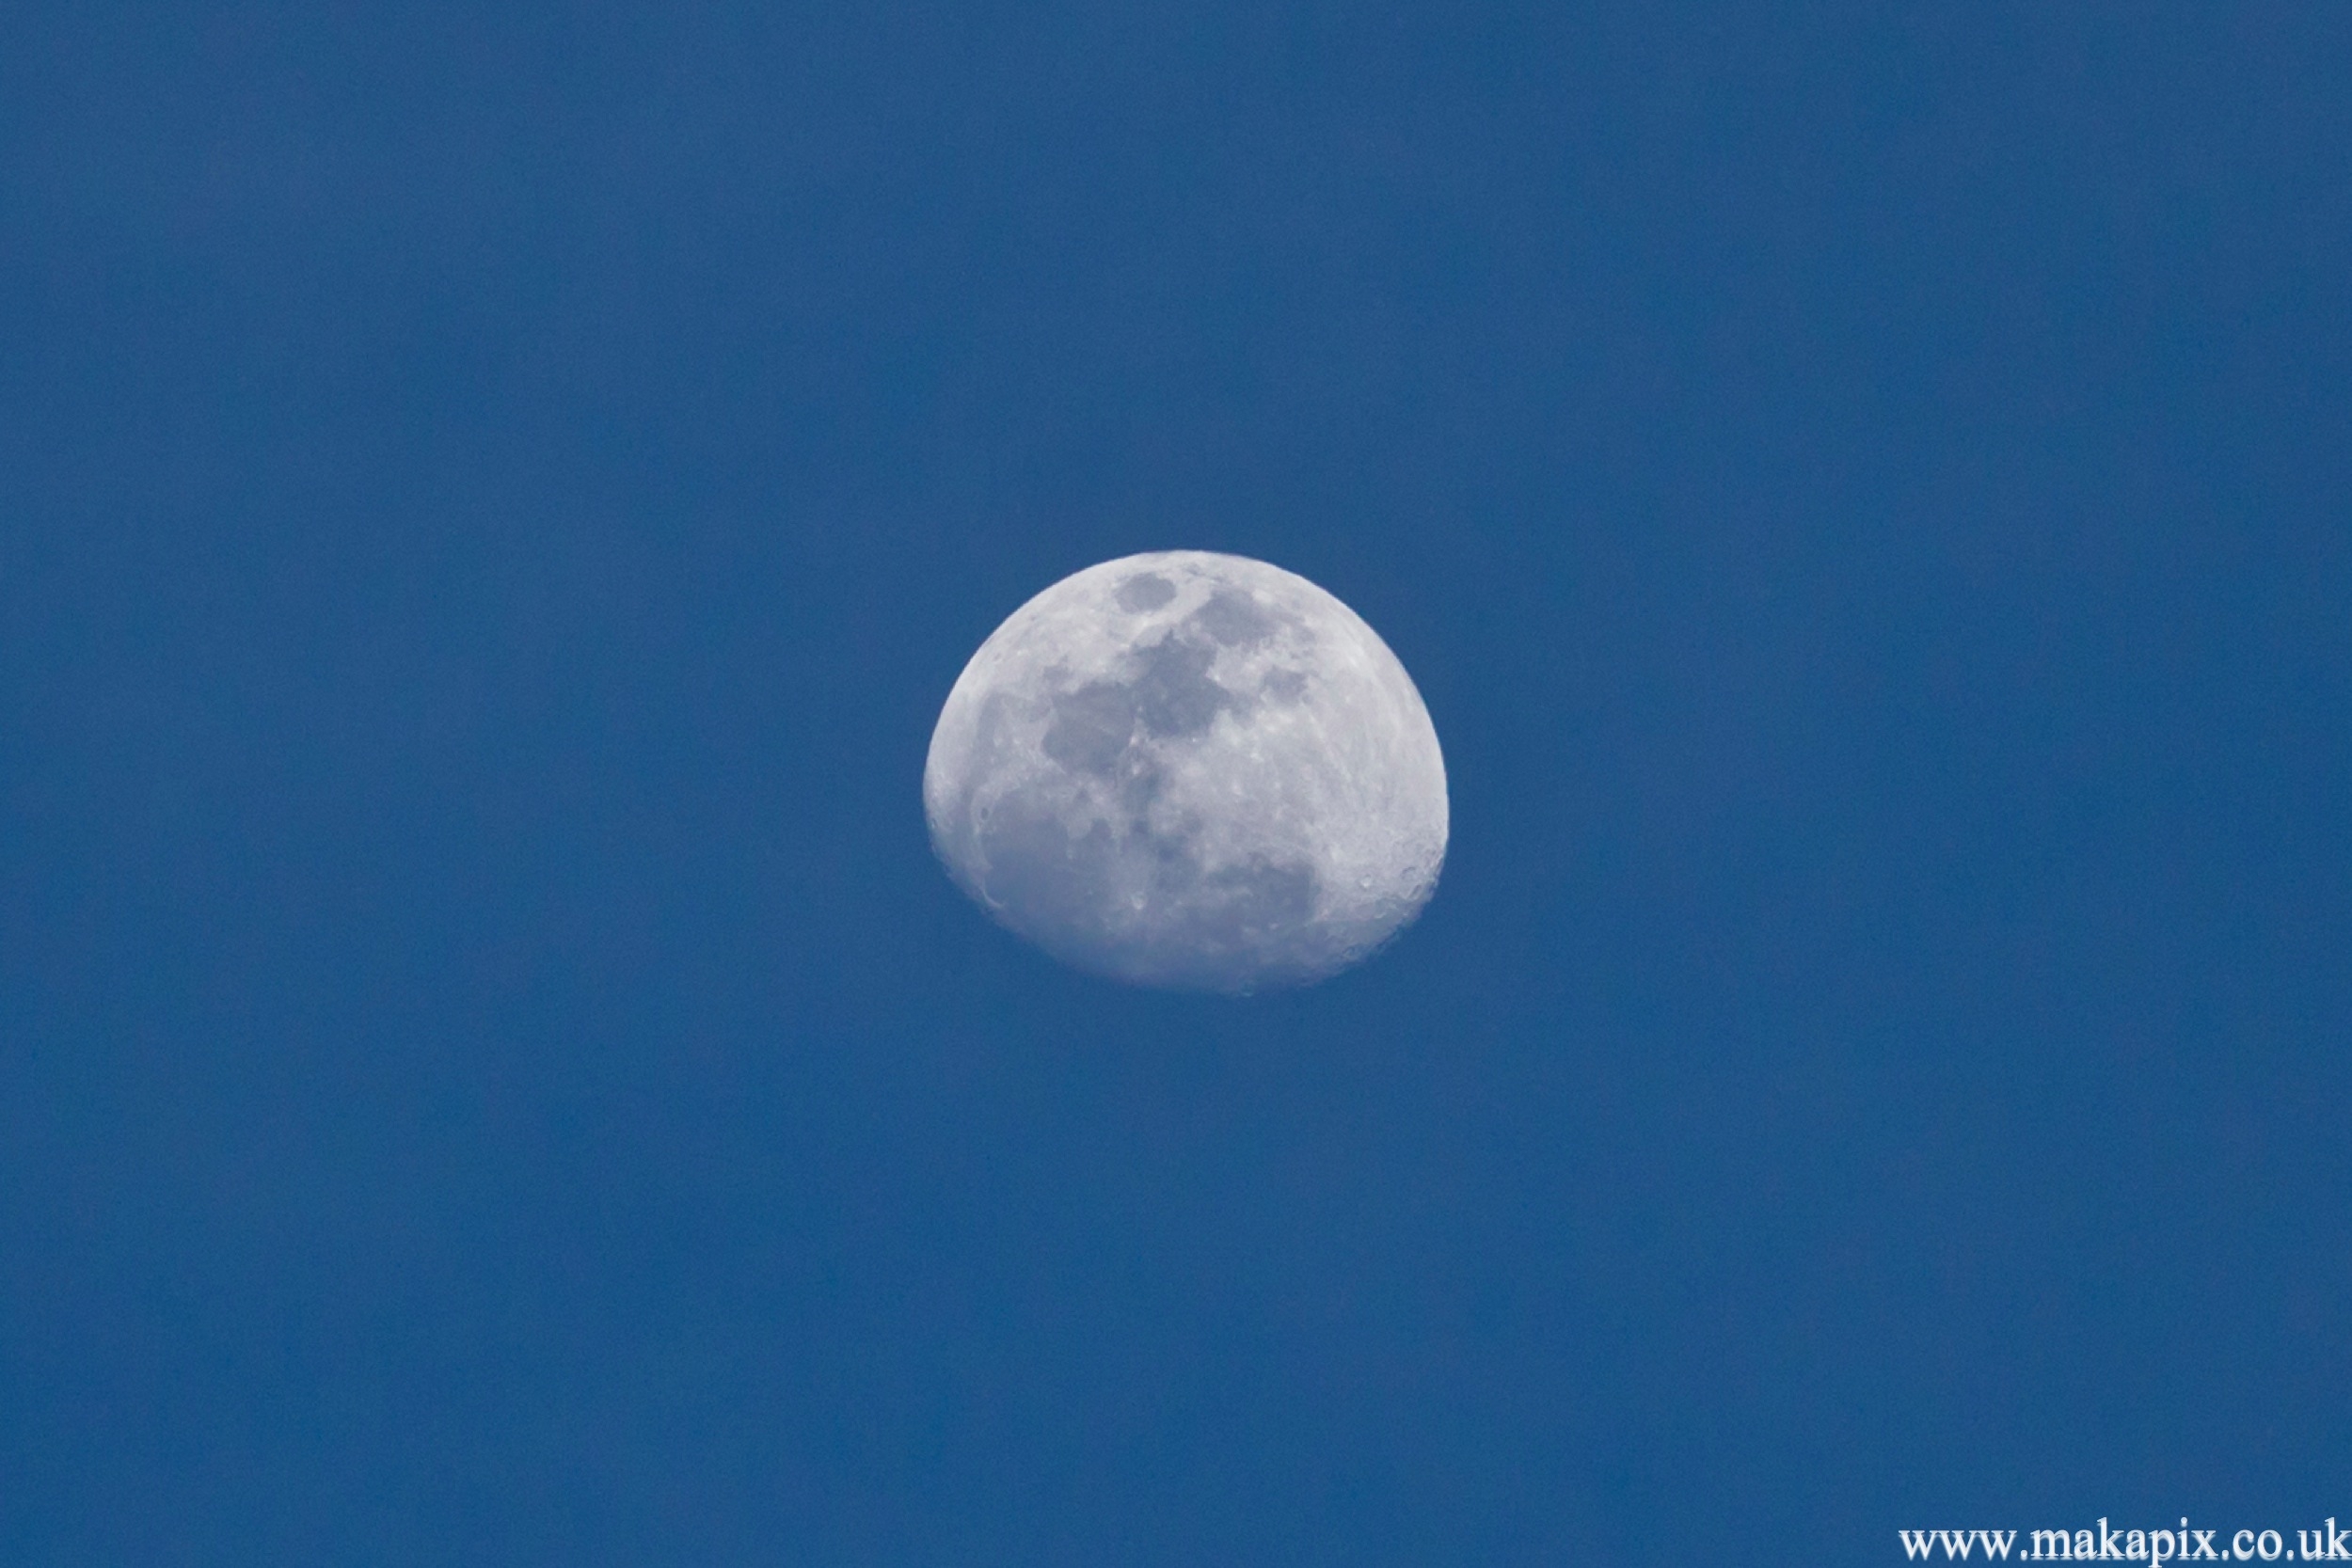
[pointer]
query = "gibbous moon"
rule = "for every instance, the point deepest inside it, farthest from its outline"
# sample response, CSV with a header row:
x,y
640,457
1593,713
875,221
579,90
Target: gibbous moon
x,y
1191,770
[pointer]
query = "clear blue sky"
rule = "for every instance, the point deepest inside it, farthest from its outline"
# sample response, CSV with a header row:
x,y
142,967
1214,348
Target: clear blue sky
x,y
493,496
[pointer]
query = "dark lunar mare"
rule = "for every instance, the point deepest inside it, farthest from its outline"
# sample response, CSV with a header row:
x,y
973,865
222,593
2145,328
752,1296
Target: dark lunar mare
x,y
1145,591
1205,930
1173,694
1234,619
1170,694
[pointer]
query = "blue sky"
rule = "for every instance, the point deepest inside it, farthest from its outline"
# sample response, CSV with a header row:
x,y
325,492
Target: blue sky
x,y
493,497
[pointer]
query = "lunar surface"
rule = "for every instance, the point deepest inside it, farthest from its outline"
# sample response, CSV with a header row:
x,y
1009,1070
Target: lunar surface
x,y
1191,770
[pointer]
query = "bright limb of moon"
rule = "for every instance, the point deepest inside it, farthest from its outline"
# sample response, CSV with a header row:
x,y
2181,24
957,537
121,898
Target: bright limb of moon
x,y
1193,771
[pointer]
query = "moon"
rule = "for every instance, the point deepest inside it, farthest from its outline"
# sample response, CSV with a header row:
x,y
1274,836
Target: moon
x,y
1190,770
